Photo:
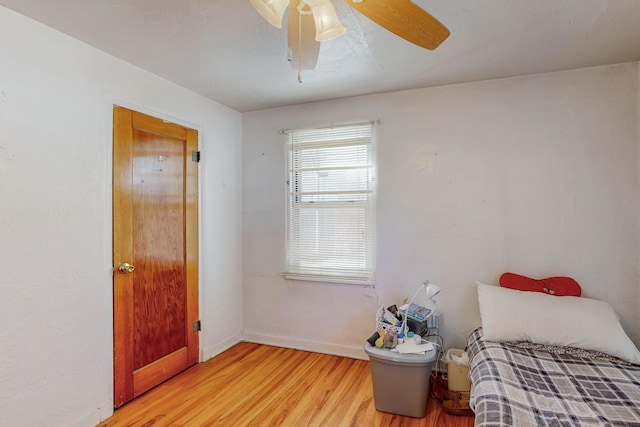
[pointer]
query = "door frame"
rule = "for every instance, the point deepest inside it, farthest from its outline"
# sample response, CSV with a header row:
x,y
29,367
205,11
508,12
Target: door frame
x,y
124,122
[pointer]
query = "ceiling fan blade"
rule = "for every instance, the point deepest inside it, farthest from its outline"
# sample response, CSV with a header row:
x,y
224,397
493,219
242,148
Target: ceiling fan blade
x,y
405,19
302,39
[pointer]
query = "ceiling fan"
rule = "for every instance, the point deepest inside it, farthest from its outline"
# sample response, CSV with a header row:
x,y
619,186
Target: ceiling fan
x,y
314,21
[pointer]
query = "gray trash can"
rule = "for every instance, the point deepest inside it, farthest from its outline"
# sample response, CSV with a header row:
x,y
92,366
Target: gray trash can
x,y
400,381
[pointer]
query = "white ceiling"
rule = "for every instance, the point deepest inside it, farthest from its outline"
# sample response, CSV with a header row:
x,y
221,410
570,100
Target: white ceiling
x,y
225,51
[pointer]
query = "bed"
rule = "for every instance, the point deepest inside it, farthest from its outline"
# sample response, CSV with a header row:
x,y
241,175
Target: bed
x,y
522,385
523,381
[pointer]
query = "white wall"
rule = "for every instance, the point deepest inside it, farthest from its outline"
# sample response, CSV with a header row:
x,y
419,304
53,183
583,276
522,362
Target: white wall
x,y
638,225
56,100
536,175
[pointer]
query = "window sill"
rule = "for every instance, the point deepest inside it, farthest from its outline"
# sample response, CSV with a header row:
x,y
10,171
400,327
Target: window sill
x,y
329,279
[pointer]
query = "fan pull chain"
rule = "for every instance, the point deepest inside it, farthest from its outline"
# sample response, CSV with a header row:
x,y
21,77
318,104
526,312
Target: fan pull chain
x,y
300,46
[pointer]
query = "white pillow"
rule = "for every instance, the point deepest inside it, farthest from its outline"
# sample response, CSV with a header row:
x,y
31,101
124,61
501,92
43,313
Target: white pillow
x,y
511,315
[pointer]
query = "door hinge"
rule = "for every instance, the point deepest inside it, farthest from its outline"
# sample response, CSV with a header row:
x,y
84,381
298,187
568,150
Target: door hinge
x,y
197,326
195,156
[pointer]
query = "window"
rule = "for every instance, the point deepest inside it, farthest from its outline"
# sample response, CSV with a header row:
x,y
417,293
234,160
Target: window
x,y
330,204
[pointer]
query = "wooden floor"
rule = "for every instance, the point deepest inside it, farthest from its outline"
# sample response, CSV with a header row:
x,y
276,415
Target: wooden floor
x,y
258,385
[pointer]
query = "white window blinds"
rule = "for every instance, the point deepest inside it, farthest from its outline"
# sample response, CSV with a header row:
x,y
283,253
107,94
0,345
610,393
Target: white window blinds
x,y
330,204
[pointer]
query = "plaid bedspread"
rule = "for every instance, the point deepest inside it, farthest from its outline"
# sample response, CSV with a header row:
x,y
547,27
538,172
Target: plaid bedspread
x,y
514,386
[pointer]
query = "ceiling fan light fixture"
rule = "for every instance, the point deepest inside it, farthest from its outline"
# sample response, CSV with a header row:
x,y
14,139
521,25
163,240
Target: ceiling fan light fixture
x,y
271,10
328,26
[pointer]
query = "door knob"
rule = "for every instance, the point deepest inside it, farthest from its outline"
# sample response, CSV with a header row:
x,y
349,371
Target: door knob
x,y
126,268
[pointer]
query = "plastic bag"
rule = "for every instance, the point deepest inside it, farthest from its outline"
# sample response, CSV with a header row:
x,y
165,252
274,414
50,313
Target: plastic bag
x,y
459,357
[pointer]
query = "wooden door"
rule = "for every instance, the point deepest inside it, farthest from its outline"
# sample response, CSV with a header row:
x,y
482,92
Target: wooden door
x,y
155,252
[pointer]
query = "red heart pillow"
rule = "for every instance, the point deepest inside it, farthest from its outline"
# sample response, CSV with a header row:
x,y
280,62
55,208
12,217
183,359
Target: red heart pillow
x,y
558,286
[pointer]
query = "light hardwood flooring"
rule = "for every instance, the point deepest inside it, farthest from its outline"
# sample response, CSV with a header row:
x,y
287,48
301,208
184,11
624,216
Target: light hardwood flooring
x,y
258,385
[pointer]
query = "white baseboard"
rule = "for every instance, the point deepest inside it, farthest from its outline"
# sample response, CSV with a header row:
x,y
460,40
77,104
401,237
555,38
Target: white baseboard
x,y
100,414
307,345
214,350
